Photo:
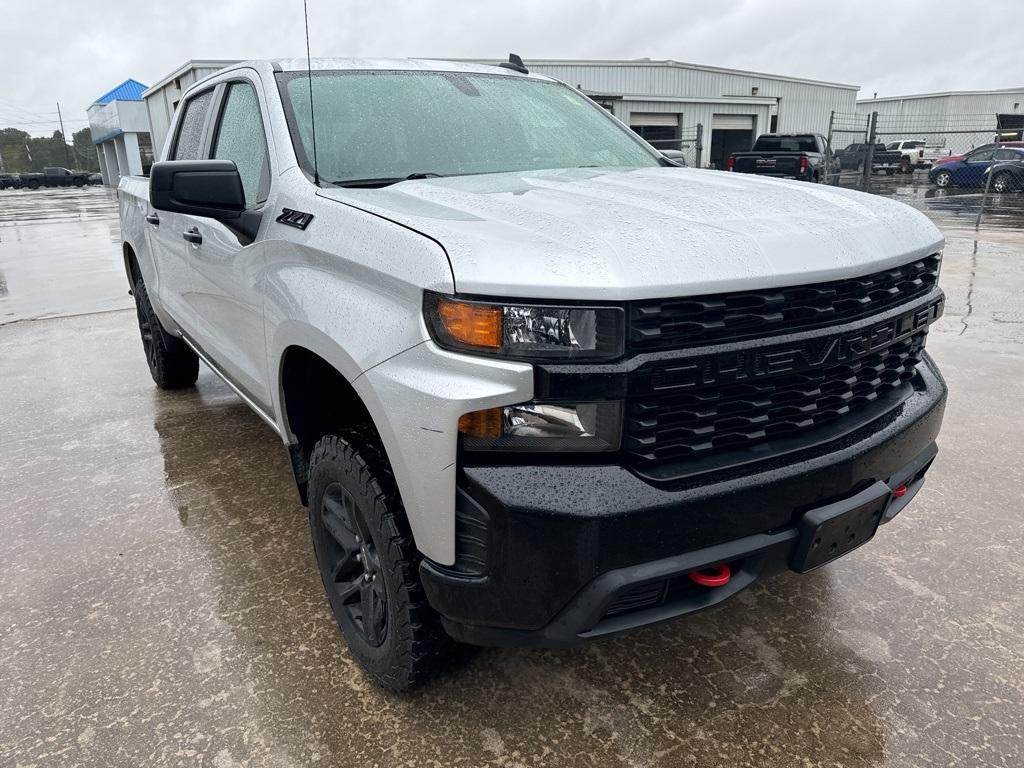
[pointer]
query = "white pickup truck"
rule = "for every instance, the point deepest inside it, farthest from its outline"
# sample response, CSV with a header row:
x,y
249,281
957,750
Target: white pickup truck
x,y
537,384
916,154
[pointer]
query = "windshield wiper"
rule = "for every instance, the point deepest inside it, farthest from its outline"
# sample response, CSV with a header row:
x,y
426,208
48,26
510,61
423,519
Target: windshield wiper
x,y
386,180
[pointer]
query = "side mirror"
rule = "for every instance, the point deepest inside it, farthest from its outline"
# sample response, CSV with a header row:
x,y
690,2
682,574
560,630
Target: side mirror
x,y
209,188
675,156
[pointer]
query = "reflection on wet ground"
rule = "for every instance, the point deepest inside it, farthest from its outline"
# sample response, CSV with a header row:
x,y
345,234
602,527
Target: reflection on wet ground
x,y
159,603
60,253
950,208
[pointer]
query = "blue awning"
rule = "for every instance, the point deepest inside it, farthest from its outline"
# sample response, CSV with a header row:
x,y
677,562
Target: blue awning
x,y
129,90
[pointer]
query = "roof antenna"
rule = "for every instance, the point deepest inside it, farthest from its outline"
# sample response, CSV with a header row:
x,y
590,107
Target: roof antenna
x,y
515,62
309,77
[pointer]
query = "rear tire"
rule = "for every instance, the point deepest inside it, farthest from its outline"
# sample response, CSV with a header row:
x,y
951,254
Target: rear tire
x,y
1003,182
171,363
32,184
79,182
369,564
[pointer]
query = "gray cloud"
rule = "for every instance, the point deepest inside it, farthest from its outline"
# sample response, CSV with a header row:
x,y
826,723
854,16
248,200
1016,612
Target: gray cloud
x,y
891,48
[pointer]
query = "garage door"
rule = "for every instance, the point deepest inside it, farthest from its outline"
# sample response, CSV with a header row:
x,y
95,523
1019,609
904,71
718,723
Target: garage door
x,y
733,122
659,119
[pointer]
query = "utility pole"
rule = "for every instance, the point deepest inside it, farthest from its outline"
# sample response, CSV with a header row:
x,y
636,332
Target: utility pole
x,y
63,137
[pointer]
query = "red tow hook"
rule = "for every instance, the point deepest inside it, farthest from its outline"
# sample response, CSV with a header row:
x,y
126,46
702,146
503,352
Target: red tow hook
x,y
899,491
712,576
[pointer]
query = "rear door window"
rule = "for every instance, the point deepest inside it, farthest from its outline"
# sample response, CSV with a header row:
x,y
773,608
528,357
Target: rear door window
x,y
188,144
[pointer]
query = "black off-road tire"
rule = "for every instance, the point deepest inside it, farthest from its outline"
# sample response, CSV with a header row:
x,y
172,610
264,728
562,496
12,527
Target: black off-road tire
x,y
79,182
171,363
351,469
32,184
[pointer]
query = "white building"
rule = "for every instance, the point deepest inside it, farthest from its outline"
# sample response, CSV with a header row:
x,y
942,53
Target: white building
x,y
957,120
163,97
120,130
665,101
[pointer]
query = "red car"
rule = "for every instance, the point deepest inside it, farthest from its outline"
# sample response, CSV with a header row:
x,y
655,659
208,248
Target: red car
x,y
955,158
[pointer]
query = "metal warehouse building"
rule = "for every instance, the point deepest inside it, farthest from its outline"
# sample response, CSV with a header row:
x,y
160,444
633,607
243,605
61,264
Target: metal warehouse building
x,y
957,120
665,101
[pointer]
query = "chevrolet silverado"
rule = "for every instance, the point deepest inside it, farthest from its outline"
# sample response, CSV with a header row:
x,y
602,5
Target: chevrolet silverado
x,y
536,384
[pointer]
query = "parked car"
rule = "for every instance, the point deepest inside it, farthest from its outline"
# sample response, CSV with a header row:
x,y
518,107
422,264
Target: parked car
x,y
95,178
853,157
536,385
10,181
970,172
1007,176
802,156
958,158
54,177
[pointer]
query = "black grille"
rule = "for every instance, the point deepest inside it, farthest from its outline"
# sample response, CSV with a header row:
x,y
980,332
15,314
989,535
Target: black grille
x,y
693,321
720,418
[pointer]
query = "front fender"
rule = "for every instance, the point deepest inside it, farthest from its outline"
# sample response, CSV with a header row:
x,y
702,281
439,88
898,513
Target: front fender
x,y
416,399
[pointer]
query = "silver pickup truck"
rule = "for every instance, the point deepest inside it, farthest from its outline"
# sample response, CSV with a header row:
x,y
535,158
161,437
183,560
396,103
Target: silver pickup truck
x,y
537,385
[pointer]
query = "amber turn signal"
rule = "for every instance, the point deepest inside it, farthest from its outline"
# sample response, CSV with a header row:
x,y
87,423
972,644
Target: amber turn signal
x,y
476,325
486,423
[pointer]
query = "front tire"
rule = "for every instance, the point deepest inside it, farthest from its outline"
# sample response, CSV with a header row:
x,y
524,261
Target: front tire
x,y
943,179
171,363
369,564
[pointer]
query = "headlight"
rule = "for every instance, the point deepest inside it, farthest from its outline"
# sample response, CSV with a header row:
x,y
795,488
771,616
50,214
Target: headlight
x,y
544,427
525,331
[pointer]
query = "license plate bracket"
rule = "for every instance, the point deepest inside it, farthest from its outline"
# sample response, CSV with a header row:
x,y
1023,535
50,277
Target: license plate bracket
x,y
834,530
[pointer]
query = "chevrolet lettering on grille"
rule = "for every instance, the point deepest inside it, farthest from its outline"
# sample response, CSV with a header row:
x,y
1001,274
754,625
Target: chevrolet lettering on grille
x,y
783,358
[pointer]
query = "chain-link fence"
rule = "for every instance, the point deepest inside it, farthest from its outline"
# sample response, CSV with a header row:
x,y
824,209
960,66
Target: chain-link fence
x,y
964,155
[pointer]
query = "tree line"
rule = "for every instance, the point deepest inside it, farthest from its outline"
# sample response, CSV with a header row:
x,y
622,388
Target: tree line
x,y
23,153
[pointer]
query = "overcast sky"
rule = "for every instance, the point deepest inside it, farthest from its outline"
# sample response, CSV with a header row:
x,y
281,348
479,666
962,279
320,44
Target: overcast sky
x,y
72,51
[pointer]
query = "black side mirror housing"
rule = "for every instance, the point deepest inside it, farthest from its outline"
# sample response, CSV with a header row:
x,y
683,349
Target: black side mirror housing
x,y
209,188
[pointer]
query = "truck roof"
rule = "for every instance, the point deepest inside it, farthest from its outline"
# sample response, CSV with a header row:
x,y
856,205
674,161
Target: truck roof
x,y
382,65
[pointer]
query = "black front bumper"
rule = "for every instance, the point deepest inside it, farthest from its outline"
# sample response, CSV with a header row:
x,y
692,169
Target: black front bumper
x,y
568,553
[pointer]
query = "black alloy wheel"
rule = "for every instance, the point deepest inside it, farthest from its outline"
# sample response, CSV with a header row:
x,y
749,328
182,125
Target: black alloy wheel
x,y
356,587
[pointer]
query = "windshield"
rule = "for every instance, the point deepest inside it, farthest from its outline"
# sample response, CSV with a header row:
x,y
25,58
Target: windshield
x,y
384,125
785,144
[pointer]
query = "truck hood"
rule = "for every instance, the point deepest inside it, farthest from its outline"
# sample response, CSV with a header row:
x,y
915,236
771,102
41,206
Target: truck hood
x,y
618,234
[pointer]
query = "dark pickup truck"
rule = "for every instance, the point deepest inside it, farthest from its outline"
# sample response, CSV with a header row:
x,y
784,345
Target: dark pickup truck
x,y
55,177
802,156
852,158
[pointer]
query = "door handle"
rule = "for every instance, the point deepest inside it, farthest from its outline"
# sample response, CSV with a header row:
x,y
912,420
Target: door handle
x,y
193,236
153,219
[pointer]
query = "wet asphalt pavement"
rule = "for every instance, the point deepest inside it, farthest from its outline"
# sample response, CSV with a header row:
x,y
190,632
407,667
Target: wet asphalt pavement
x,y
159,603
